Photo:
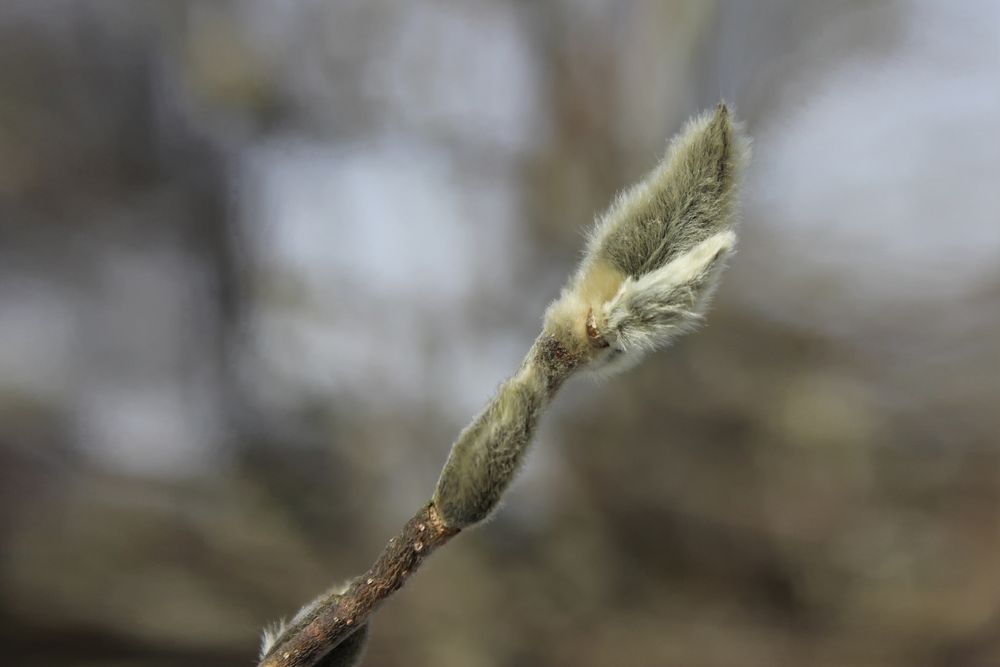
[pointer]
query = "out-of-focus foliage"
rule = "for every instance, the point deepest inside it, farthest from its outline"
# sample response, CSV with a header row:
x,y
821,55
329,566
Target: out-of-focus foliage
x,y
260,262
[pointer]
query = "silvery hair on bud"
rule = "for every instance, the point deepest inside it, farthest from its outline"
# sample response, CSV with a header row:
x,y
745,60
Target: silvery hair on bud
x,y
653,260
649,270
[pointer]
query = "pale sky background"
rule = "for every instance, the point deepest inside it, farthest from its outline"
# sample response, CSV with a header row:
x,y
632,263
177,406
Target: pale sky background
x,y
873,188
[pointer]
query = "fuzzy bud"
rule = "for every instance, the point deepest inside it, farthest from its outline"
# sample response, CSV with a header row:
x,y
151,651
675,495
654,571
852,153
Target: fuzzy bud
x,y
489,451
651,265
653,260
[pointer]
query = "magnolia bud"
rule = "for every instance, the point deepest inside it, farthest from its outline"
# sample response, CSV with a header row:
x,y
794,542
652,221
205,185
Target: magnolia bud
x,y
651,265
653,259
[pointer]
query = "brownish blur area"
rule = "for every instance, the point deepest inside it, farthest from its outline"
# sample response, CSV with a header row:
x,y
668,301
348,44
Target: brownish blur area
x,y
260,261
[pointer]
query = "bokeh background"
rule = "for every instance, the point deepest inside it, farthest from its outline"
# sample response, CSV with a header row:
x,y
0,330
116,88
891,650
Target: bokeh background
x,y
260,261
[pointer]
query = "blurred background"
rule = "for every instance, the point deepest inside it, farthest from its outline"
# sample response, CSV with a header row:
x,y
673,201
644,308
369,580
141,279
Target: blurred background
x,y
260,261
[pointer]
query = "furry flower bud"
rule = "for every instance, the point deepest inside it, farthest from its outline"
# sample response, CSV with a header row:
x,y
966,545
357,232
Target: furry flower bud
x,y
651,265
653,259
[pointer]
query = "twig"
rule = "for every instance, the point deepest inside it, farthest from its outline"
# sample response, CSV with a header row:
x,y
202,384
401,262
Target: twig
x,y
650,268
335,621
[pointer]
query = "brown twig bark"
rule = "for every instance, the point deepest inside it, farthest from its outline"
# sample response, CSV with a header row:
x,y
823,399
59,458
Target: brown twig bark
x,y
332,622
